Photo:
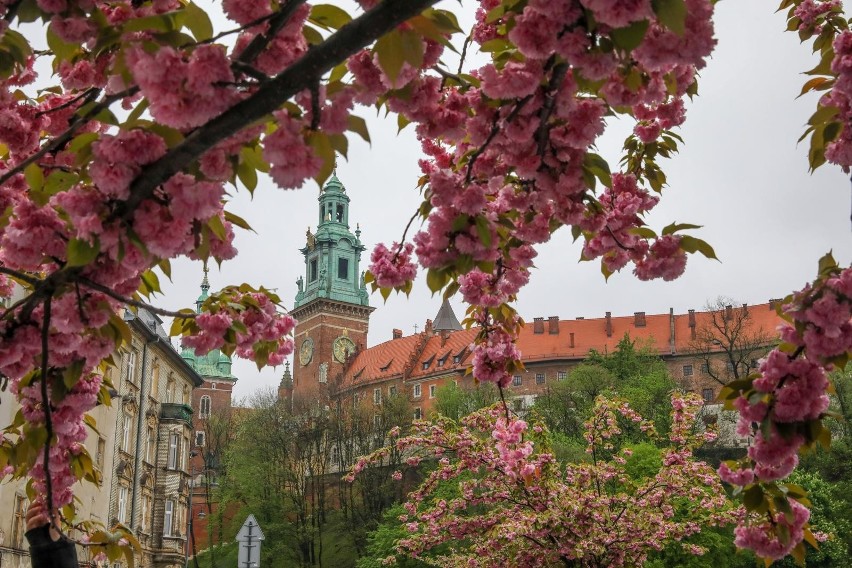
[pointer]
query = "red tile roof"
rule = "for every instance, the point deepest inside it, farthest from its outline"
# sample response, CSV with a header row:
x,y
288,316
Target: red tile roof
x,y
405,357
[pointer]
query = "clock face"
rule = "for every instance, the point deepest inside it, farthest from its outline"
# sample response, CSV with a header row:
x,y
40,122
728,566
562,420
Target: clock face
x,y
343,347
306,351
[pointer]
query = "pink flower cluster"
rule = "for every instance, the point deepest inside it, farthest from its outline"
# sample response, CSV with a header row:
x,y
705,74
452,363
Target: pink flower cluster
x,y
262,333
184,91
780,406
512,448
765,538
392,267
839,151
492,356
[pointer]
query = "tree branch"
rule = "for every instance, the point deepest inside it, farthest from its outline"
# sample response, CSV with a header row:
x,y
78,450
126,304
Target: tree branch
x,y
308,70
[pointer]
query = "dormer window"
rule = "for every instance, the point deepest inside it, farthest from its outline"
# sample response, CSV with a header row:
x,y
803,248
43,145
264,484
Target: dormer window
x,y
343,268
443,359
312,270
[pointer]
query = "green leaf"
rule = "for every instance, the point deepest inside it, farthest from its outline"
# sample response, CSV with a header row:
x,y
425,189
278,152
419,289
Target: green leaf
x,y
237,221
391,51
436,279
247,176
675,227
321,144
753,498
81,253
198,22
329,16
693,245
412,48
672,14
34,177
168,22
630,37
359,126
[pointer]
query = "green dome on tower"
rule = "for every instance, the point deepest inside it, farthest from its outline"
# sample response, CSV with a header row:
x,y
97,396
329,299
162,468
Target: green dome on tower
x,y
215,364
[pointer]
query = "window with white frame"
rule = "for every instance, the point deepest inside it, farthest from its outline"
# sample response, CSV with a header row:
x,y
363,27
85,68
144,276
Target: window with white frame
x,y
204,407
418,413
539,378
377,421
687,370
199,438
707,395
174,442
150,445
130,366
126,432
517,381
392,390
377,396
432,389
122,504
417,391
168,518
561,375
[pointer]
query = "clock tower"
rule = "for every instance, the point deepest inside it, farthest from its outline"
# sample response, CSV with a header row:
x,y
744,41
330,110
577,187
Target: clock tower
x,y
332,304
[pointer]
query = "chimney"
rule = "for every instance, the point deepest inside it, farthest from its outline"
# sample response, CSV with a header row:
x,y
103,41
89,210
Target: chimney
x,y
692,324
729,312
428,328
580,318
672,336
538,325
397,333
445,333
639,319
745,310
571,340
609,324
773,303
553,325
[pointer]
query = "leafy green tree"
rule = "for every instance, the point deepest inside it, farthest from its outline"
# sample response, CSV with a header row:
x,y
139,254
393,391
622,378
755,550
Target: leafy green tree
x,y
455,401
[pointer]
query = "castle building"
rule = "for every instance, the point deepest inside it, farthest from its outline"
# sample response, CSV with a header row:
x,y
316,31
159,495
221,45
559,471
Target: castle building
x,y
702,349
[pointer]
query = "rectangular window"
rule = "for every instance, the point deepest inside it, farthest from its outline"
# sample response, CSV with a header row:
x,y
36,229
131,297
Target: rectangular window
x,y
150,445
707,395
168,518
172,461
418,414
126,432
146,512
729,366
312,270
18,524
122,505
417,391
377,396
199,438
130,370
687,370
99,459
432,389
561,375
517,381
377,421
392,390
343,268
705,368
539,378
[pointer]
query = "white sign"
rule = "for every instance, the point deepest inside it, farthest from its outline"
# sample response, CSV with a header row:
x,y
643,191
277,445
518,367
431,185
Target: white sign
x,y
250,536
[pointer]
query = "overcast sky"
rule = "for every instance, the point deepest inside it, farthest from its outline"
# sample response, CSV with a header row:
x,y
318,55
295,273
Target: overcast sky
x,y
740,175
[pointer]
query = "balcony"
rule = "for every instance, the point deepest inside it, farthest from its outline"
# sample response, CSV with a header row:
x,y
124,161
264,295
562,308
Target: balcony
x,y
176,411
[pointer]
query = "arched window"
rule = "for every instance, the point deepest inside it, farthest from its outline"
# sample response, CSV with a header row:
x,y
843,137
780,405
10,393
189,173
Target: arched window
x,y
204,407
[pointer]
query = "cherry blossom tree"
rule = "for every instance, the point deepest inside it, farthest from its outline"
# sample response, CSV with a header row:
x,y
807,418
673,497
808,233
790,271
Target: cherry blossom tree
x,y
120,165
515,501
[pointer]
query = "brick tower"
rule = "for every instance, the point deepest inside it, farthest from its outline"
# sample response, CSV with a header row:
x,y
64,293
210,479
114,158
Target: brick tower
x,y
332,305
